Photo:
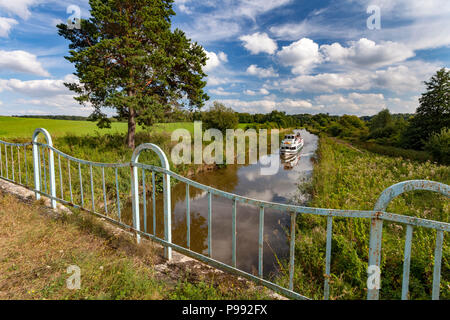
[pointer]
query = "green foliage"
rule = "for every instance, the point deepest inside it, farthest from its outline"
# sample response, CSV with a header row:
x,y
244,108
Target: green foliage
x,y
23,128
275,119
385,130
380,121
347,179
206,290
391,151
56,117
220,117
128,58
433,114
439,146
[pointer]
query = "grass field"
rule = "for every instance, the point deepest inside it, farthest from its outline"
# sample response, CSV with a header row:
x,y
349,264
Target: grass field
x,y
36,249
347,178
13,128
24,127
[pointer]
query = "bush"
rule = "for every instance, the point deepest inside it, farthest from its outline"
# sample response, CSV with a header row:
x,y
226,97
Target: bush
x,y
220,117
439,146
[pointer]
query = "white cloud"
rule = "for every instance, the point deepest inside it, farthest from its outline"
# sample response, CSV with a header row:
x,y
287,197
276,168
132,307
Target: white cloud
x,y
21,61
259,43
221,92
222,56
352,103
258,106
261,91
253,8
38,88
223,19
5,26
216,81
366,53
183,6
254,70
324,82
302,56
55,105
214,60
18,7
266,105
42,97
407,77
417,24
398,105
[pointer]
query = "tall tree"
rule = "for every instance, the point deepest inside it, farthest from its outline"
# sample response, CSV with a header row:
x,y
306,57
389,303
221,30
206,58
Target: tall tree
x,y
127,58
433,114
381,120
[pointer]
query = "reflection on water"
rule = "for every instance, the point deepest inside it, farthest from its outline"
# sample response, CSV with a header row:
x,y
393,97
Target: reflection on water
x,y
245,181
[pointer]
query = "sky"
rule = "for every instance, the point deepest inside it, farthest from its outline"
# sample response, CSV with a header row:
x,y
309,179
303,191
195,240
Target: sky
x,y
298,56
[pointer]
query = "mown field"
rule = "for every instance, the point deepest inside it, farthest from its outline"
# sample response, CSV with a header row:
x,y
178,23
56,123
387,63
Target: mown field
x,y
14,128
347,178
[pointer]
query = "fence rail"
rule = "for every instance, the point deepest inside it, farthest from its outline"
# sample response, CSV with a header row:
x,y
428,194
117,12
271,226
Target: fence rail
x,y
49,181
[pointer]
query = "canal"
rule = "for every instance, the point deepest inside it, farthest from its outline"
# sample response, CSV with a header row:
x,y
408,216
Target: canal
x,y
244,180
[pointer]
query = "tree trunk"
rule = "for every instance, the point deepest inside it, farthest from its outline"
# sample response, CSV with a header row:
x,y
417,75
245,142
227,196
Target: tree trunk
x,y
131,129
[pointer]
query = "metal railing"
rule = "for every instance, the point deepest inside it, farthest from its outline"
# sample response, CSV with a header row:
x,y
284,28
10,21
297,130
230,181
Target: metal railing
x,y
15,167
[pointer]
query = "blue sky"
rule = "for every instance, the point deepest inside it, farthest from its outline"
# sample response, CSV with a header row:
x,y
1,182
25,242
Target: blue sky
x,y
297,56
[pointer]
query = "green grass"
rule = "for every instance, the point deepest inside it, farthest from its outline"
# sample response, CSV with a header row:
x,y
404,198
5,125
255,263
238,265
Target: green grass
x,y
36,250
347,179
23,128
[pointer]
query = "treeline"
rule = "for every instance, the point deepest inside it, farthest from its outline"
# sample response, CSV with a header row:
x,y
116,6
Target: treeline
x,y
423,135
74,118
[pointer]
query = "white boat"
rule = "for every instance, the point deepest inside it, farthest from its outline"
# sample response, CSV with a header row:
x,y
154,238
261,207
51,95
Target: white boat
x,y
291,144
290,161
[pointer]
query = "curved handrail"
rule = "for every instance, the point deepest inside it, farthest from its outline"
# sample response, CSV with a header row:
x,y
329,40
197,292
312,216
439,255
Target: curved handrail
x,y
78,160
37,183
376,227
167,200
16,144
397,189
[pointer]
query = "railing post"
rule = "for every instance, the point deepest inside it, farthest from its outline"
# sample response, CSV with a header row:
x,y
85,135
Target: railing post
x,y
376,236
135,200
166,193
167,215
376,229
51,165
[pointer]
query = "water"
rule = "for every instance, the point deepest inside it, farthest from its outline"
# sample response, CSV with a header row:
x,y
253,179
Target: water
x,y
245,181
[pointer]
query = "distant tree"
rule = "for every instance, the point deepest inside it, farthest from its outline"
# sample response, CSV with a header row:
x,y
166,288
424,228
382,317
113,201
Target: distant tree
x,y
245,118
128,58
439,146
351,121
381,120
220,117
433,114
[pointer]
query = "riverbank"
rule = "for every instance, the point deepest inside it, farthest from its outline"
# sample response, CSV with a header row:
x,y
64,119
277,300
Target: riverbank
x,y
37,246
346,177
